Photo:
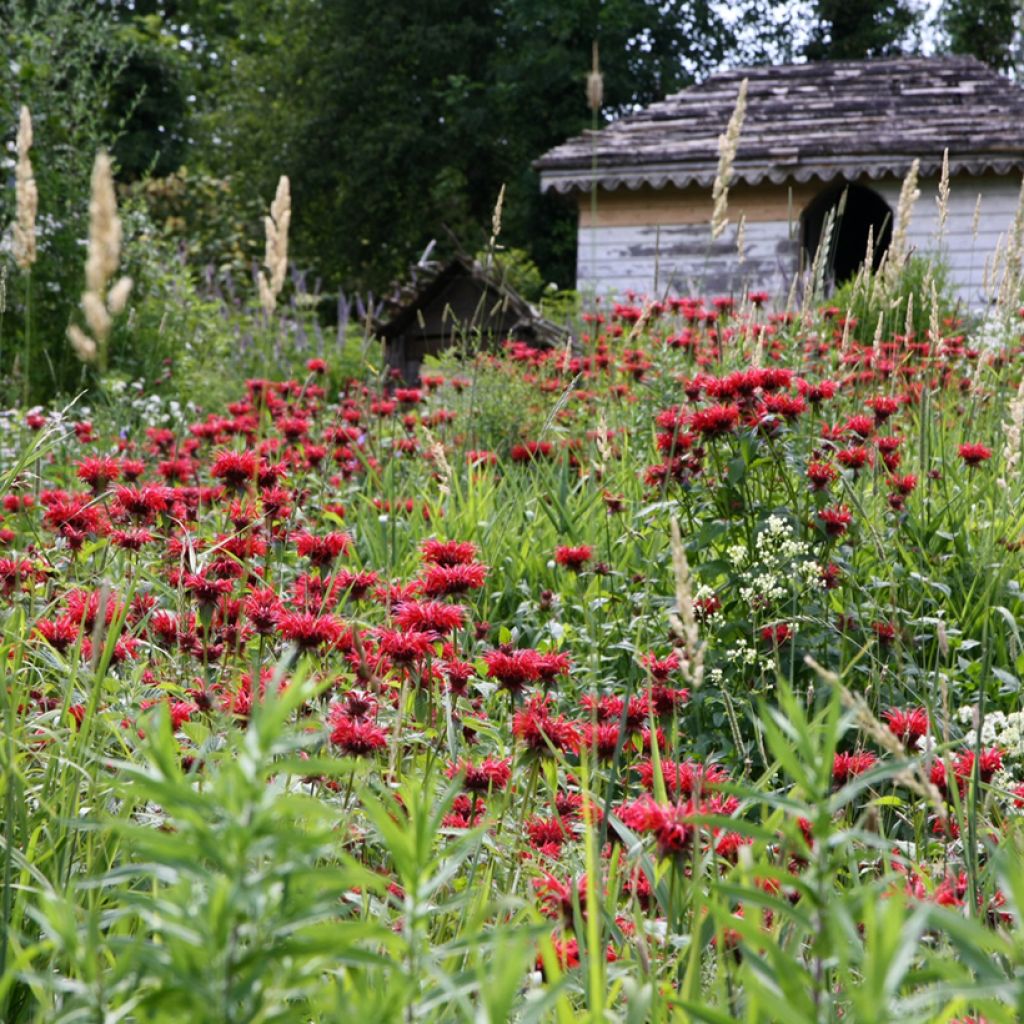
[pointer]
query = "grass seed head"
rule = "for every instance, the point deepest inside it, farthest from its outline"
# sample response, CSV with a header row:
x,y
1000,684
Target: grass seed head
x,y
26,197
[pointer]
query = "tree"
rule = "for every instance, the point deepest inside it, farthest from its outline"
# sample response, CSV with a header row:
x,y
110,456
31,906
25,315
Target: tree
x,y
988,29
399,122
62,61
851,29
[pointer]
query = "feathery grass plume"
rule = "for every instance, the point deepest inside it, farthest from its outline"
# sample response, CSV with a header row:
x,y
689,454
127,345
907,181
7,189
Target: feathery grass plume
x,y
683,618
101,302
934,324
869,251
815,285
595,82
909,193
727,145
943,197
741,238
26,196
876,342
1012,437
275,256
844,344
1013,262
908,321
492,243
976,219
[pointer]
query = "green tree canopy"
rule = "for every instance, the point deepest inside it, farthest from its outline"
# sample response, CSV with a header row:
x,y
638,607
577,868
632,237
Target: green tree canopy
x,y
851,29
988,29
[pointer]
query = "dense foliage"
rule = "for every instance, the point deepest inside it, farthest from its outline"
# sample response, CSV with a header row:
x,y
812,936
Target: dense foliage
x,y
343,701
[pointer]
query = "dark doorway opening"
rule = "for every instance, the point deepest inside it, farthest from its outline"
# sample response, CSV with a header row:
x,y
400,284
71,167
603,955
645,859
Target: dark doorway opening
x,y
862,210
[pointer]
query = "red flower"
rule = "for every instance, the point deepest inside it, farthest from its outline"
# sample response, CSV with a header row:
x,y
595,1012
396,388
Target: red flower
x,y
99,471
683,778
541,731
821,474
441,580
323,550
489,774
406,647
776,635
235,468
309,631
836,520
206,590
355,736
847,766
907,726
574,558
716,420
513,669
974,454
668,823
433,616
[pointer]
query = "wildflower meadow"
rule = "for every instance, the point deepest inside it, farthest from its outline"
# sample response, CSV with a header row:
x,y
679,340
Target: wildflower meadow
x,y
672,674
676,678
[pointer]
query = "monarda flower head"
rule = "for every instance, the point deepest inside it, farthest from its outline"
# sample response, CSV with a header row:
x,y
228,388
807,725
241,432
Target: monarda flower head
x,y
442,580
489,774
574,558
513,669
322,550
235,468
909,725
429,616
974,454
542,732
357,737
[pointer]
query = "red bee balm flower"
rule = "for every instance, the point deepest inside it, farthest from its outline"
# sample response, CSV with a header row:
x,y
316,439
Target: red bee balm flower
x,y
513,669
836,520
907,726
440,580
574,558
354,735
974,454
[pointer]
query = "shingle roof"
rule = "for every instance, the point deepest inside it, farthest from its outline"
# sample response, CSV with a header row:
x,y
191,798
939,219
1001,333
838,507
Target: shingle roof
x,y
817,120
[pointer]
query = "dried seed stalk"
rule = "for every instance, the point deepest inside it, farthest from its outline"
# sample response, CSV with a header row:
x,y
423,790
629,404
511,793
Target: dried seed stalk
x,y
101,302
727,145
26,197
684,619
275,256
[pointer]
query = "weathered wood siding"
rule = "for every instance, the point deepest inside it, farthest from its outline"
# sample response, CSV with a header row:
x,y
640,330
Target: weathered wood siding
x,y
682,260
658,241
965,252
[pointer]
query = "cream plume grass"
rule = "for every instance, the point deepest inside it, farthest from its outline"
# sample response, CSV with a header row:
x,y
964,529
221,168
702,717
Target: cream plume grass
x,y
727,146
26,196
101,302
943,197
595,83
683,618
897,252
1012,437
275,258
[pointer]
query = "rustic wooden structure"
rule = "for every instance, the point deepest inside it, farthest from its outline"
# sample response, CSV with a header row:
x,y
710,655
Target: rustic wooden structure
x,y
458,305
811,132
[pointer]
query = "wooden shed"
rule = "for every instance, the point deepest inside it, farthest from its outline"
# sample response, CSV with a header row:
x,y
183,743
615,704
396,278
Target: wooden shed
x,y
811,132
459,305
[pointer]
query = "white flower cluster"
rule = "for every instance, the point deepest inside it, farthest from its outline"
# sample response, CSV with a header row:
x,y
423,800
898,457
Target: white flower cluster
x,y
152,409
997,730
780,564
